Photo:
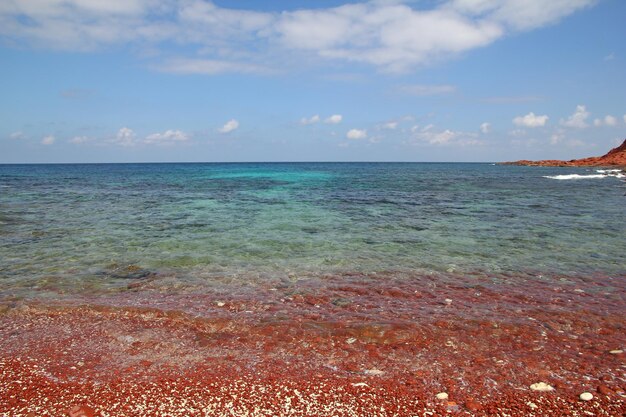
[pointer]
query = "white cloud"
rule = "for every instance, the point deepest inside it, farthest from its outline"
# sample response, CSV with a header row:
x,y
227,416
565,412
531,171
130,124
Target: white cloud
x,y
427,90
485,127
390,35
311,120
334,119
520,14
531,120
74,24
167,137
610,120
65,8
206,16
607,121
48,140
356,134
557,137
20,135
79,140
441,138
390,125
445,137
210,67
577,120
610,57
125,137
229,126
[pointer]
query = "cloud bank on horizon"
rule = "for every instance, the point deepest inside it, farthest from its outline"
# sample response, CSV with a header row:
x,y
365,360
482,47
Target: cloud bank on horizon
x,y
355,77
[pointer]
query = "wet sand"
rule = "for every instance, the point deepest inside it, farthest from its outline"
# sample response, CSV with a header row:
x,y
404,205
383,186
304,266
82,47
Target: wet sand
x,y
351,345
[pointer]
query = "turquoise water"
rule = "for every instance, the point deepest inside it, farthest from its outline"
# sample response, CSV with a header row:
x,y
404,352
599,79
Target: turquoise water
x,y
91,227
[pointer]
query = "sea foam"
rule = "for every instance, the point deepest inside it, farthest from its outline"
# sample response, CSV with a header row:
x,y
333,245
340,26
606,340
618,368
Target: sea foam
x,y
575,176
606,171
601,173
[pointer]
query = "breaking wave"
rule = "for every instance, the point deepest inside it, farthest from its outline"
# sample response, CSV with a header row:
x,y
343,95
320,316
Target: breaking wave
x,y
575,176
601,173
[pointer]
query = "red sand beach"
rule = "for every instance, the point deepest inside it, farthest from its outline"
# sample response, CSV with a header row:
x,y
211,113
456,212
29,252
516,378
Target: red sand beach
x,y
347,345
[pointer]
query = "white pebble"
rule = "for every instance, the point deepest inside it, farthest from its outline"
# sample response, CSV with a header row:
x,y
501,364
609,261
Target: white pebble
x,y
586,396
442,396
616,352
541,386
375,372
448,301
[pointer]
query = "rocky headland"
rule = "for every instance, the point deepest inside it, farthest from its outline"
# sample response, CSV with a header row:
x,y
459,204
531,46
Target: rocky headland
x,y
616,157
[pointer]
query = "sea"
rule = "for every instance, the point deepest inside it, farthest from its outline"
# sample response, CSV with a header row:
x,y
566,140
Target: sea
x,y
94,228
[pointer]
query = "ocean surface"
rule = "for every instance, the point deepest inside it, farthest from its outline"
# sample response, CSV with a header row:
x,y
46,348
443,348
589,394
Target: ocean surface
x,y
68,229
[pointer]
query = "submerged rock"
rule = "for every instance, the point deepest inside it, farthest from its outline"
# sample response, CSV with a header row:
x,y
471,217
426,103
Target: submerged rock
x,y
131,272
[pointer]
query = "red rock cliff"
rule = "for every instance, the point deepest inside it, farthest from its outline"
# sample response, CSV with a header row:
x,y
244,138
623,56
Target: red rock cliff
x,y
614,157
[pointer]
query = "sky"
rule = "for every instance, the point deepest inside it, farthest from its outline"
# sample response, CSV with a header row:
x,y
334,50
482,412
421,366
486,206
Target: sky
x,y
326,80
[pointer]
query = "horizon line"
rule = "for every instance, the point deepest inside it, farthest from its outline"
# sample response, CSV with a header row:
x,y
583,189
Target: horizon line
x,y
250,162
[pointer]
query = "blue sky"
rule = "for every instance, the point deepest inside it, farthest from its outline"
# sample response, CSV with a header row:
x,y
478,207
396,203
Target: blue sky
x,y
385,80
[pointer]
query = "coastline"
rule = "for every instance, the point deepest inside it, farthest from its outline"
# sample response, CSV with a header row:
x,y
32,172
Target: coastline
x,y
290,290
349,345
615,158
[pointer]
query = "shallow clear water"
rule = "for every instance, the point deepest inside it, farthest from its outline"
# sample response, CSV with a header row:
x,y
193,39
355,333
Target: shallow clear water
x,y
88,227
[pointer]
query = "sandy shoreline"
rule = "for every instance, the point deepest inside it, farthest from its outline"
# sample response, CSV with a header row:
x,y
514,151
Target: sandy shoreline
x,y
350,345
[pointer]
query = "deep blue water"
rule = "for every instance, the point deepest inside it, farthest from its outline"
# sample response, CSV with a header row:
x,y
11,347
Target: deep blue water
x,y
88,227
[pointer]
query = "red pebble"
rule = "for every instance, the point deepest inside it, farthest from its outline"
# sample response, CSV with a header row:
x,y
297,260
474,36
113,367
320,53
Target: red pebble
x,y
473,405
81,411
603,389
